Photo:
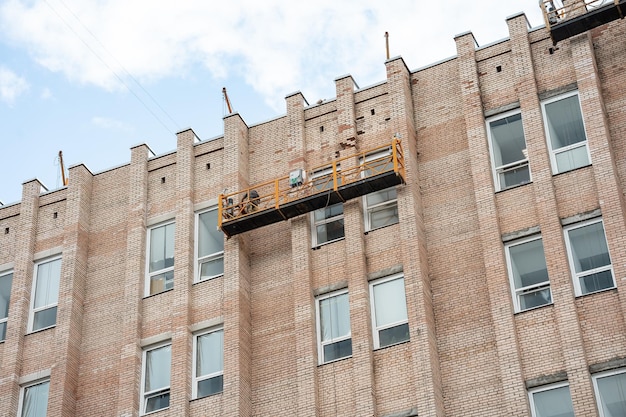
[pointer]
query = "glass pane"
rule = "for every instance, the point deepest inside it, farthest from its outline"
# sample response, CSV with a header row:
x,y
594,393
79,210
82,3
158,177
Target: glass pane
x,y
35,400
528,264
210,386
338,350
328,212
572,159
334,317
612,391
589,248
330,231
162,247
556,402
45,318
212,268
47,285
508,141
390,302
393,335
158,362
210,239
596,282
210,354
157,402
5,294
3,331
513,177
565,122
161,282
381,196
380,218
535,299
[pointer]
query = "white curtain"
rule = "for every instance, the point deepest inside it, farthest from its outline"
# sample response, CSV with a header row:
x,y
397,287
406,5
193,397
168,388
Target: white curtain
x,y
48,278
553,403
335,317
565,122
5,294
589,247
528,263
210,239
508,141
158,363
162,247
35,400
210,353
390,302
613,395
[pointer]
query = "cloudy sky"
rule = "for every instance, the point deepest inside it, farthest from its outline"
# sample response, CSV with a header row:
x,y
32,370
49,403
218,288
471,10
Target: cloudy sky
x,y
95,77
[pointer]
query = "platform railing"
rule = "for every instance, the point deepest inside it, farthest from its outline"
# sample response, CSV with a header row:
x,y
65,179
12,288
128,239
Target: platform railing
x,y
558,11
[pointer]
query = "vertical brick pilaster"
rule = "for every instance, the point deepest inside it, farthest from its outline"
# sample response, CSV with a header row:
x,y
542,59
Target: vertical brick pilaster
x,y
412,243
68,332
128,388
346,118
296,146
513,402
11,361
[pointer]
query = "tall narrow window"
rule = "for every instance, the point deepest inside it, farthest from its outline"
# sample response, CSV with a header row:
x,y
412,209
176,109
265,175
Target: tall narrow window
x,y
45,294
6,279
381,207
160,259
210,246
551,401
589,257
610,388
209,363
333,327
155,389
566,133
528,274
34,399
389,315
327,222
508,151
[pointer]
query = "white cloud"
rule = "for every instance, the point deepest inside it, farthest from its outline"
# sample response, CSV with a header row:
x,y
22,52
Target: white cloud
x,y
276,46
108,123
46,94
11,85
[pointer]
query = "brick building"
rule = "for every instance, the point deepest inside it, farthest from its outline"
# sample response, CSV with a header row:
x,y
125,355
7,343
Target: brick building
x,y
489,283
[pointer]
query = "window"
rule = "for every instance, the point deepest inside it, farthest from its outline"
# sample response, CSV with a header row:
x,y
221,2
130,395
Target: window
x,y
381,207
509,159
389,316
333,327
551,401
210,246
589,258
610,388
155,387
34,399
161,259
6,279
45,295
327,221
528,274
208,367
566,133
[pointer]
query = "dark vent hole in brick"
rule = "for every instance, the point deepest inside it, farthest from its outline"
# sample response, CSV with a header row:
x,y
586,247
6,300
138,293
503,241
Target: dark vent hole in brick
x,y
162,180
55,215
321,128
373,112
499,68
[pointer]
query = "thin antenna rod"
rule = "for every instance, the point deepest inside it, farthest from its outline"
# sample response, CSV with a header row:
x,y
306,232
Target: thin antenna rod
x,y
387,43
230,110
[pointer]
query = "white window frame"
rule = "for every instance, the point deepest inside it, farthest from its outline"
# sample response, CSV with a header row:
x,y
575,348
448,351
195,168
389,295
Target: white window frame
x,y
543,388
318,325
23,388
145,396
199,378
554,152
596,389
518,292
496,170
149,274
375,327
4,320
385,205
326,220
32,309
206,258
570,257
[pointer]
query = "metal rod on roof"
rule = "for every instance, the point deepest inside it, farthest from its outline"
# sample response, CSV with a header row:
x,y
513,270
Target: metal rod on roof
x,y
387,43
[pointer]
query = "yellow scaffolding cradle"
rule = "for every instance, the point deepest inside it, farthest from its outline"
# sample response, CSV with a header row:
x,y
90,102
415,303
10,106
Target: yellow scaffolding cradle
x,y
299,193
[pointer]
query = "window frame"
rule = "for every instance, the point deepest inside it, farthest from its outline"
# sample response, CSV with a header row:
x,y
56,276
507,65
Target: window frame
x,y
315,223
596,389
32,310
5,320
368,210
198,261
149,275
145,396
197,379
544,388
570,258
496,170
518,292
24,387
376,329
318,325
553,152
